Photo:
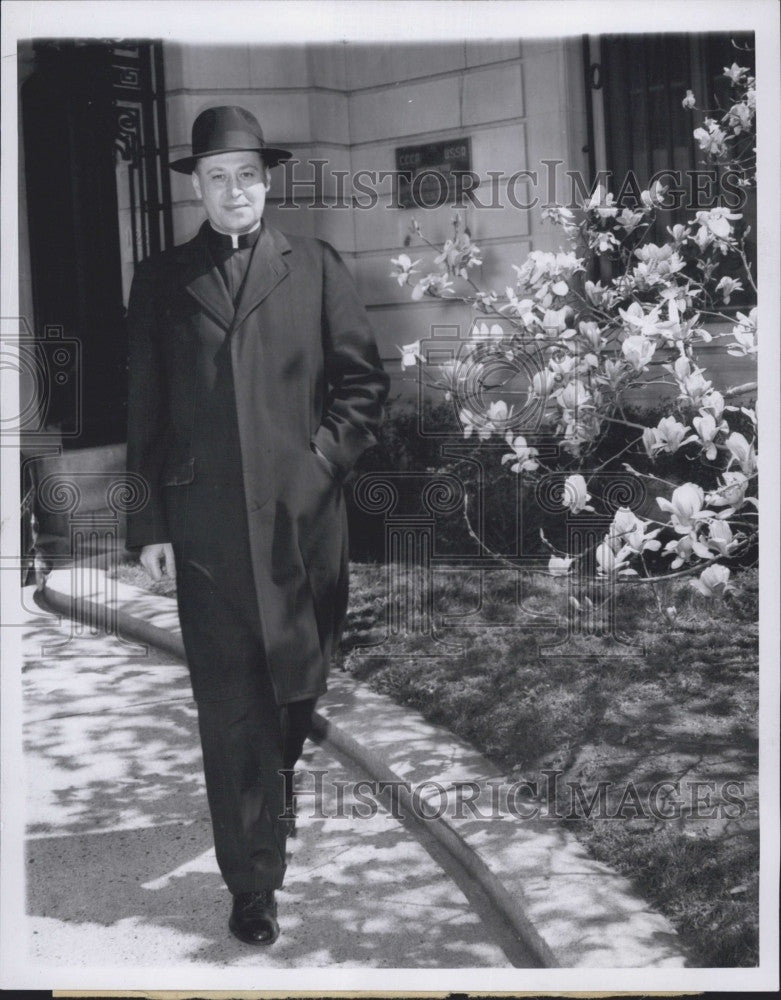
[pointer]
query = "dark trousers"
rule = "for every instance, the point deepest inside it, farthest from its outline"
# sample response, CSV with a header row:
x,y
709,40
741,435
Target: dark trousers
x,y
250,744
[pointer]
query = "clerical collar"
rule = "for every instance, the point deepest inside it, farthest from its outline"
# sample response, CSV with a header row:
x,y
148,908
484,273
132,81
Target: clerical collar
x,y
233,241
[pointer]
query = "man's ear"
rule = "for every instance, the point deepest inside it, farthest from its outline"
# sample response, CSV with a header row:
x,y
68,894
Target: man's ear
x,y
267,177
196,184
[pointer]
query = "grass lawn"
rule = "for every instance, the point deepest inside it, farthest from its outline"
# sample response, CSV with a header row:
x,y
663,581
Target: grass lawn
x,y
673,704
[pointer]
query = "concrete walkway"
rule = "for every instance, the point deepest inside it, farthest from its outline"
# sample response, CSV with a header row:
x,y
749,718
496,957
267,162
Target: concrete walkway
x,y
119,855
111,782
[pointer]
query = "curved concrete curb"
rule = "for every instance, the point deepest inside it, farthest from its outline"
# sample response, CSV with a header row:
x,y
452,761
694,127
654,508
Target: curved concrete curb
x,y
566,908
439,826
127,626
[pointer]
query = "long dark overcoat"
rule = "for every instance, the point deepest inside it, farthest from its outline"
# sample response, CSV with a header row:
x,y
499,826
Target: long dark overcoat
x,y
306,372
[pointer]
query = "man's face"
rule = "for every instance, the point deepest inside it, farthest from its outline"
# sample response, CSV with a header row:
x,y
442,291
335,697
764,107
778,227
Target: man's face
x,y
232,187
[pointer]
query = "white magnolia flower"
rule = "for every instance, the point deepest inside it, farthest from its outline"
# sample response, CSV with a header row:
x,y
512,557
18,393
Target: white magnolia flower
x,y
499,412
523,458
460,253
554,322
743,453
664,258
745,343
639,540
689,101
695,387
717,222
624,521
592,334
712,402
403,268
745,334
638,351
685,507
681,368
610,563
721,539
602,203
707,429
682,548
559,565
543,383
628,532
494,421
751,414
731,493
655,195
629,219
712,139
727,287
679,233
559,215
735,72
563,365
748,322
669,435
524,308
410,354
599,296
603,241
613,374
432,284
573,395
542,266
713,581
575,495
486,300
474,422
646,324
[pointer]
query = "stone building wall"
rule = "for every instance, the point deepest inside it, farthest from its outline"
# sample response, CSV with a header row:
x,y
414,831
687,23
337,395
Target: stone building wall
x,y
351,105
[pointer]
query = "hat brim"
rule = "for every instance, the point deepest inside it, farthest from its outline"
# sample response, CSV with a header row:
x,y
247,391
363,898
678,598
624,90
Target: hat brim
x,y
271,155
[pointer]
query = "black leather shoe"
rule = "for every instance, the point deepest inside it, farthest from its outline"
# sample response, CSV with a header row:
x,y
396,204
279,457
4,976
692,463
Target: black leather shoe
x,y
254,917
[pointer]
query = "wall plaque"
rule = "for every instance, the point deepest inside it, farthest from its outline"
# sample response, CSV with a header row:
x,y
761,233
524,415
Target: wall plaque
x,y
428,174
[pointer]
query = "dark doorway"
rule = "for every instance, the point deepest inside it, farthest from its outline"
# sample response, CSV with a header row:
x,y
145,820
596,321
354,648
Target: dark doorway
x,y
87,106
643,79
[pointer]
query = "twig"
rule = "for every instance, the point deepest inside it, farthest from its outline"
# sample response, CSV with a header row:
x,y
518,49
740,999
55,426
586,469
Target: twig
x,y
738,390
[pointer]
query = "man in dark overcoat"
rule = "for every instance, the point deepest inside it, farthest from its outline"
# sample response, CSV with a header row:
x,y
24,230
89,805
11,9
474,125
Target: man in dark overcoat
x,y
255,385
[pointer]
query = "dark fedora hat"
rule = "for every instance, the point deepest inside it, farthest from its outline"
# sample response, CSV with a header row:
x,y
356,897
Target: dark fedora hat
x,y
228,129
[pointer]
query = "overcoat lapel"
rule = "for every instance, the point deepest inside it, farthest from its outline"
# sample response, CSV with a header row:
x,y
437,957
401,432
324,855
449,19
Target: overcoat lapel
x,y
203,281
266,269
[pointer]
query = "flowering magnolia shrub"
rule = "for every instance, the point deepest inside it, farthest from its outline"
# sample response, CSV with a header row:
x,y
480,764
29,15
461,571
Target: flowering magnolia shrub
x,y
730,138
584,344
